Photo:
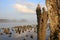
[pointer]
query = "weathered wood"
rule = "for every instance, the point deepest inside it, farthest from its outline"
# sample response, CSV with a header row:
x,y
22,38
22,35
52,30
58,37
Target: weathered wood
x,y
38,13
54,16
42,23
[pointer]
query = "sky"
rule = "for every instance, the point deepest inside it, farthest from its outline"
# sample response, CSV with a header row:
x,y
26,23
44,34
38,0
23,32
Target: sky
x,y
19,9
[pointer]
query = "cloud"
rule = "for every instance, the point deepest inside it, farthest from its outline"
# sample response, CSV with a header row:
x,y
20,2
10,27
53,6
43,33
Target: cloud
x,y
26,6
29,3
23,8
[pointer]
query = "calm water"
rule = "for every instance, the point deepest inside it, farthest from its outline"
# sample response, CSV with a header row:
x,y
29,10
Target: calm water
x,y
12,24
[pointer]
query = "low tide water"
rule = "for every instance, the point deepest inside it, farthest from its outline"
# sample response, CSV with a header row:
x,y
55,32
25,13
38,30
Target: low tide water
x,y
13,24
